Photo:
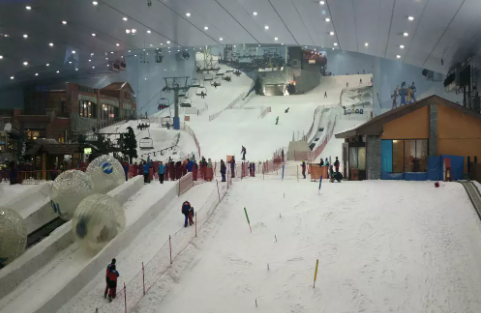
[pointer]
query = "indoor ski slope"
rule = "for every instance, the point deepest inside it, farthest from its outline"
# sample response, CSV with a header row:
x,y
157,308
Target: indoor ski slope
x,y
378,251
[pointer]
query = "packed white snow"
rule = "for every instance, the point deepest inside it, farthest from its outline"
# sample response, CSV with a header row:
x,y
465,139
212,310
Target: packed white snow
x,y
382,246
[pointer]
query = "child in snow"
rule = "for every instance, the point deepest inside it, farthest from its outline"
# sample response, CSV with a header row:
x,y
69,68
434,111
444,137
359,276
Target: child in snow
x,y
112,276
107,277
188,212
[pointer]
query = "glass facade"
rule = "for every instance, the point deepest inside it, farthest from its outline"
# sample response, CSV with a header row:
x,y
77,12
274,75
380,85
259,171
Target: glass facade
x,y
410,155
87,109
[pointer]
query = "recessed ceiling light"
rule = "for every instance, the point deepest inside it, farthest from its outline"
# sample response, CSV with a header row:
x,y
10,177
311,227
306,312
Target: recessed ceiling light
x,y
95,2
25,36
64,22
93,34
25,63
12,78
168,42
6,35
90,60
73,51
335,44
129,51
321,2
398,56
147,53
136,55
47,64
58,72
275,38
161,44
69,62
92,53
366,44
134,30
28,7
401,46
127,31
143,49
266,27
178,50
117,44
282,44
111,52
106,58
327,19
254,13
76,69
169,51
36,74
206,28
221,38
125,18
151,45
51,44
108,65
148,31
411,18
331,33
187,14
332,48
405,34
1,57
93,66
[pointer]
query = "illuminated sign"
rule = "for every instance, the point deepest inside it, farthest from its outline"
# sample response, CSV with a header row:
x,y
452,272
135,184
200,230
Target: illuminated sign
x,y
87,150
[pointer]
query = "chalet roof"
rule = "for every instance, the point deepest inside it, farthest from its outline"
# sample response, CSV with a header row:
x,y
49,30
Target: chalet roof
x,y
57,149
375,126
118,86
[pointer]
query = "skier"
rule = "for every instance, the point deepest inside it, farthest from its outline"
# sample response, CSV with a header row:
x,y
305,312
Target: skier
x,y
336,165
202,95
360,81
232,166
303,165
188,212
347,84
161,171
113,275
321,163
326,163
277,120
243,152
107,277
215,85
287,110
222,169
282,155
125,165
325,94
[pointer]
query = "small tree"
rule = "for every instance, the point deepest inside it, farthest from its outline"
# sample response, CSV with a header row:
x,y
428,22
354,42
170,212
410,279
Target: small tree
x,y
129,144
258,86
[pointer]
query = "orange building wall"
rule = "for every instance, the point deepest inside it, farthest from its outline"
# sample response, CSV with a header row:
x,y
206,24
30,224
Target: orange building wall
x,y
414,125
458,133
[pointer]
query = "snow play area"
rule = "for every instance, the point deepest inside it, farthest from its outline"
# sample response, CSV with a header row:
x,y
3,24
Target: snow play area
x,y
381,246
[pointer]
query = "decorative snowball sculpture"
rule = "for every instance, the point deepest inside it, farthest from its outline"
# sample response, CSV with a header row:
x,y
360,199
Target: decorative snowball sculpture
x,y
13,236
97,220
68,190
107,173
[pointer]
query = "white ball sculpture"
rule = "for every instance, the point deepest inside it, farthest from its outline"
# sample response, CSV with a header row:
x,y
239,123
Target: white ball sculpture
x,y
97,220
107,173
13,236
68,190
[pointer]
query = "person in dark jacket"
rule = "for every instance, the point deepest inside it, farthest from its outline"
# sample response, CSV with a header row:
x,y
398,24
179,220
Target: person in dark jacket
x,y
303,165
336,165
125,166
321,163
107,277
112,276
243,152
161,171
232,166
188,212
223,169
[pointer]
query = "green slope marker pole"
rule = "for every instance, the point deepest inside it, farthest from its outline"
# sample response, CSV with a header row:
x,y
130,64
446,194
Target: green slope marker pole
x,y
247,217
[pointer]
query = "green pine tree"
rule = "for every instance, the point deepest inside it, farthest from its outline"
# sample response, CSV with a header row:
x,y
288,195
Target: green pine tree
x,y
258,86
129,144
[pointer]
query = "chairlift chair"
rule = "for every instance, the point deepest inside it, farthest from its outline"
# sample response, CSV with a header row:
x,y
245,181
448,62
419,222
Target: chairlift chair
x,y
195,82
146,143
163,103
186,103
199,90
217,81
208,76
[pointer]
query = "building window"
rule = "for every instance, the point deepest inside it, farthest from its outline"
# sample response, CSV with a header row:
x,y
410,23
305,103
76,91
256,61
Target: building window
x,y
410,155
357,158
87,109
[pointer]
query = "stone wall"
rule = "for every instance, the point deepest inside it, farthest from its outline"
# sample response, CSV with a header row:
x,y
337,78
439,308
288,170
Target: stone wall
x,y
80,124
309,79
373,158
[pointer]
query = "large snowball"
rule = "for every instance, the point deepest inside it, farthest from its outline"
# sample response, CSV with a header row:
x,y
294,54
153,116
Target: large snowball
x,y
13,236
107,173
68,190
97,220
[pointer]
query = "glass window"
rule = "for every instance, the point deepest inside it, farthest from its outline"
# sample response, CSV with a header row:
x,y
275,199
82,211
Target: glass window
x,y
353,157
362,158
409,155
421,163
398,156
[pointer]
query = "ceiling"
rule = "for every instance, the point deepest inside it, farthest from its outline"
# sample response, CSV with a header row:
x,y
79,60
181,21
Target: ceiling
x,y
441,29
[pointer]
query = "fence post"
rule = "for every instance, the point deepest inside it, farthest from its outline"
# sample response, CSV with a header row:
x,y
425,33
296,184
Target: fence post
x,y
143,277
125,297
218,192
297,173
195,215
170,248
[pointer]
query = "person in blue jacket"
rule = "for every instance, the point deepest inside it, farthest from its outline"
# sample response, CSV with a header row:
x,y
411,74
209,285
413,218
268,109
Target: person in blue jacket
x,y
146,167
161,172
188,212
190,166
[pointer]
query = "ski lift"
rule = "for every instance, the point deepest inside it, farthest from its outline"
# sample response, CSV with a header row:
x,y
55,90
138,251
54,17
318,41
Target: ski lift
x,y
195,82
185,103
199,90
208,76
216,81
146,143
163,103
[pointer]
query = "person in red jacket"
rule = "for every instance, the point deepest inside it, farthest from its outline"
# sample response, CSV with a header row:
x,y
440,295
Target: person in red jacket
x,y
113,275
107,276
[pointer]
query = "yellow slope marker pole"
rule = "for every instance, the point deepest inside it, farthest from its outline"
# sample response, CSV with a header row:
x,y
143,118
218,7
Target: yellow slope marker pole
x,y
315,274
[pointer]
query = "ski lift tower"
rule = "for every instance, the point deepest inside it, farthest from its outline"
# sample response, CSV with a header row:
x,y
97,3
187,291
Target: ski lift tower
x,y
210,62
176,84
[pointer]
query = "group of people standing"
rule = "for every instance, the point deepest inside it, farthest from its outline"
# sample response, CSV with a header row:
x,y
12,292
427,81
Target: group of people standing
x,y
331,174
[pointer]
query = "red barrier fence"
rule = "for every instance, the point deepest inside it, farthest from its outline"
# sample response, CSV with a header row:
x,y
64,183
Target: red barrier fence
x,y
149,273
185,183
